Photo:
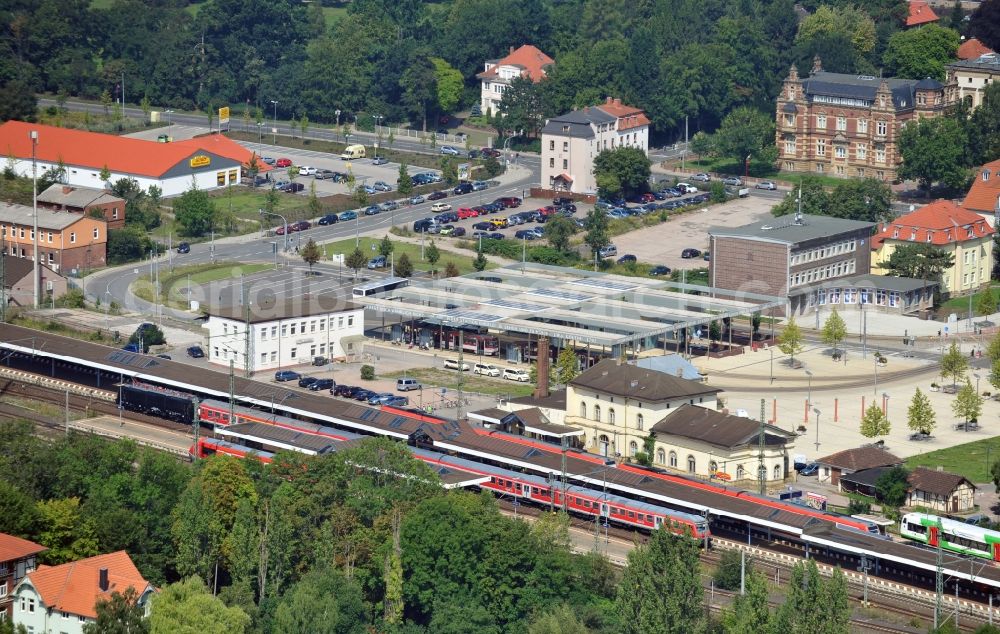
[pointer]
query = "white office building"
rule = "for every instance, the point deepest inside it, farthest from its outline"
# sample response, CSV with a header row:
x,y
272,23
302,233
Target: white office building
x,y
284,335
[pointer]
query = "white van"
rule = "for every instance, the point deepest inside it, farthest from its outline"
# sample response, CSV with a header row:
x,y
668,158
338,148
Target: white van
x,y
486,369
353,152
452,364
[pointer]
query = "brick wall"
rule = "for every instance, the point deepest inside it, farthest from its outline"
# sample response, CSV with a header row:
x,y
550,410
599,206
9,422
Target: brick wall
x,y
752,266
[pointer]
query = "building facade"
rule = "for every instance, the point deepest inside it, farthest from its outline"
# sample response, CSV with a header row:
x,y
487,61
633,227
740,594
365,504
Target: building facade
x,y
848,125
67,241
939,491
945,225
284,335
63,598
17,559
984,195
209,162
572,141
616,404
526,61
971,77
84,200
19,286
706,443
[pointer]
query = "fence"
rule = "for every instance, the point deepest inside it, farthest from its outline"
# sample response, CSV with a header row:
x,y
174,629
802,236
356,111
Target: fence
x,y
383,132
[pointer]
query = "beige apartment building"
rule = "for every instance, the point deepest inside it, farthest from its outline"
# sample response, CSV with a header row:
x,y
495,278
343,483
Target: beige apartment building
x,y
572,141
972,76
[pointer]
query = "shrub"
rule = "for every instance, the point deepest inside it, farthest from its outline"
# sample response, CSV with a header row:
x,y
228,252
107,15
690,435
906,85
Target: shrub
x,y
72,298
727,575
367,373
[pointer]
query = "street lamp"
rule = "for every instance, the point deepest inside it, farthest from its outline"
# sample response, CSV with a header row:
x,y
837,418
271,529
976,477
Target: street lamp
x,y
268,213
260,131
885,404
809,398
168,113
33,135
817,412
274,138
976,374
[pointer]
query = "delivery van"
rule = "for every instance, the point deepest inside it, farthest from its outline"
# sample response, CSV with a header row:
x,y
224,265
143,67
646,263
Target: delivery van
x,y
353,152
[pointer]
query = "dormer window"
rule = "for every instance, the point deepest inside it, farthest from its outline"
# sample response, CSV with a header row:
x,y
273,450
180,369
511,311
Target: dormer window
x,y
986,175
913,234
930,236
895,232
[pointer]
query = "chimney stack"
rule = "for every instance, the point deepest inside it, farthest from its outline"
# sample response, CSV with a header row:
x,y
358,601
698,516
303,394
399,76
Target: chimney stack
x,y
618,101
542,389
102,581
512,50
66,189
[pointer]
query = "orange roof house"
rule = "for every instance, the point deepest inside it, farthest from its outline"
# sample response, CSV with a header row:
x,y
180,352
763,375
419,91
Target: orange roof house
x,y
942,223
12,548
532,63
920,13
17,556
973,49
628,116
984,195
75,588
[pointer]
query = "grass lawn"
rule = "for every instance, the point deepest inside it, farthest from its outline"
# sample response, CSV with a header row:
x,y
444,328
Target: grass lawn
x,y
247,202
199,273
730,166
968,460
961,304
462,260
472,382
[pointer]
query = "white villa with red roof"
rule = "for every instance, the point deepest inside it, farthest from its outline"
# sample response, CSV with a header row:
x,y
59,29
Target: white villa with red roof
x,y
943,224
526,61
209,162
63,598
17,559
572,141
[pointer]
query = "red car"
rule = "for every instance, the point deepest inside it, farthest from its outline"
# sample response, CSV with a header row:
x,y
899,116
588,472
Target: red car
x,y
488,151
465,212
647,198
283,162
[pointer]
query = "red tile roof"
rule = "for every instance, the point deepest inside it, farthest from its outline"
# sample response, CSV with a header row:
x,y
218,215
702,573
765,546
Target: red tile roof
x,y
973,49
123,155
531,60
628,116
74,588
920,13
984,195
942,221
12,548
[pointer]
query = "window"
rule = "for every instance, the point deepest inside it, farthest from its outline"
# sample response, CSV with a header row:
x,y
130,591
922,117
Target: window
x,y
880,155
986,175
65,615
821,121
220,179
740,472
862,151
789,146
552,162
633,448
820,147
350,321
673,459
97,233
216,351
31,605
881,127
263,357
661,456
274,356
840,151
611,416
597,413
20,232
72,238
293,328
552,144
322,325
638,421
583,409
691,464
3,589
114,214
565,146
842,124
340,322
284,330
312,326
789,119
293,353
565,164
274,332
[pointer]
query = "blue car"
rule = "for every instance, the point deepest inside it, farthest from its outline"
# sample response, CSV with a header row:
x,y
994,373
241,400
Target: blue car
x,y
286,375
373,210
348,215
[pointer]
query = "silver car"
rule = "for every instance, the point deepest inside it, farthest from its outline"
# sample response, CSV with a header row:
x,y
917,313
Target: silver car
x,y
766,185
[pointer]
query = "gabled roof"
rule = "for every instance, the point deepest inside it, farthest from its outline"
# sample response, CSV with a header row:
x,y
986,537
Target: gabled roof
x,y
76,196
973,48
16,269
74,587
941,222
940,483
12,548
21,215
984,195
860,458
528,58
639,384
122,155
718,428
628,116
920,13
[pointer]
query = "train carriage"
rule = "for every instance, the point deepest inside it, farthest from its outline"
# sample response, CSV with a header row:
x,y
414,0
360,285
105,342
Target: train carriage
x,y
951,535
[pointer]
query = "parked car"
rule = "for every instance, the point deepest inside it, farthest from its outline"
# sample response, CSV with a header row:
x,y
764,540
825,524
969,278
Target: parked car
x,y
452,364
732,181
280,185
164,356
525,234
294,188
688,254
462,188
307,170
625,259
184,247
608,251
362,394
373,210
447,230
479,186
306,381
516,374
377,262
328,219
195,352
490,152
382,186
458,232
339,177
450,151
390,205
396,401
320,361
440,207
286,375
405,385
420,226
810,469
509,202
348,215
417,200
379,160
701,177
301,225
283,162
268,159
474,154
687,189
465,212
437,195
496,235
379,397
321,384
486,369
482,226
324,174
659,270
766,185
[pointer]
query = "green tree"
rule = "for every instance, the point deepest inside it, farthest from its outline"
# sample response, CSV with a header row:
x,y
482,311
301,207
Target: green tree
x,y
993,350
449,84
994,376
967,403
874,423
561,619
451,270
921,261
356,260
627,167
750,611
834,330
921,52
983,128
848,20
892,485
813,604
64,531
18,515
148,337
934,151
303,124
730,569
187,607
567,366
311,254
405,182
146,107
314,206
747,132
810,197
987,304
119,613
449,172
660,591
419,89
432,254
520,109
385,246
790,339
717,191
954,364
194,212
866,199
920,416
106,102
702,144
404,267
479,262
596,225
558,231
105,176
324,601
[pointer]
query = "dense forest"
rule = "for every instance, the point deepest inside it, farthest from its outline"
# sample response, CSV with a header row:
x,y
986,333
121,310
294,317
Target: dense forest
x,y
400,58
